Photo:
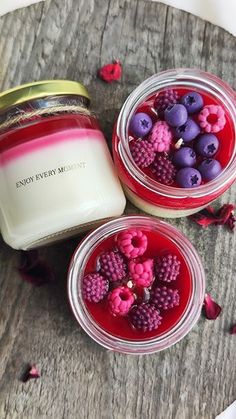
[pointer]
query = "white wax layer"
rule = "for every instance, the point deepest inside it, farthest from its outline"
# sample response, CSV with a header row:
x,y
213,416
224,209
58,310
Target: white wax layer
x,y
89,191
10,5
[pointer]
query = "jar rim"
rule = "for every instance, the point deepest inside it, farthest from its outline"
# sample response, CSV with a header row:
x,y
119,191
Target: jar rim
x,y
188,77
96,332
39,89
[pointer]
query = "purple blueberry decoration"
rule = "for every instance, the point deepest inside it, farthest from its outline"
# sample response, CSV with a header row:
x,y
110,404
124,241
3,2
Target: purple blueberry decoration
x,y
176,115
188,177
210,169
188,131
184,157
192,101
140,124
207,145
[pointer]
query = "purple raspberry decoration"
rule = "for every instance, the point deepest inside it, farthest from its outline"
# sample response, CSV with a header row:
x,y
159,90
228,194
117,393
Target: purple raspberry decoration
x,y
140,124
142,152
188,177
167,267
210,169
145,317
164,99
164,298
163,170
113,266
184,157
176,115
192,101
207,145
188,131
94,287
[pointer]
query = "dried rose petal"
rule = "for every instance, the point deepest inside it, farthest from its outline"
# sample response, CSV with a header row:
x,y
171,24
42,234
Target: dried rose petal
x,y
208,216
34,270
111,72
233,329
211,308
31,372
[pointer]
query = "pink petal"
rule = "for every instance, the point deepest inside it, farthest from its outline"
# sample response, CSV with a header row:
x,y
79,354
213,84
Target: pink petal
x,y
233,329
211,308
31,372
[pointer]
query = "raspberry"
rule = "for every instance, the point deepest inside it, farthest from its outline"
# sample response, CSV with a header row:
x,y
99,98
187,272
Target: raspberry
x,y
120,300
142,152
167,267
163,170
141,272
164,99
161,136
94,287
212,118
132,243
113,266
164,298
145,317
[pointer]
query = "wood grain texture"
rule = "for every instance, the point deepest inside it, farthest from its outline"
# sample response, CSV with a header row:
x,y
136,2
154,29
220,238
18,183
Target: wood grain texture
x,y
195,379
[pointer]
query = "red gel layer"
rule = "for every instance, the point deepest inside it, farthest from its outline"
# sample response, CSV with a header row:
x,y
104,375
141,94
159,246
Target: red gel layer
x,y
120,326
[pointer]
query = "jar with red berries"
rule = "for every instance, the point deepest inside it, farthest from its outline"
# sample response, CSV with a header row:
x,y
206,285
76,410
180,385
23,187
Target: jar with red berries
x,y
136,285
174,143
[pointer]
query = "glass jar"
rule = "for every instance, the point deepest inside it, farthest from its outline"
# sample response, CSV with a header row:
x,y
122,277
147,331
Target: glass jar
x,y
56,174
147,194
82,259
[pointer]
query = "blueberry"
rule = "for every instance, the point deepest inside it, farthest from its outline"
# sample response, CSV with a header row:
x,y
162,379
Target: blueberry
x,y
192,101
184,157
140,124
188,131
207,145
176,115
188,177
209,169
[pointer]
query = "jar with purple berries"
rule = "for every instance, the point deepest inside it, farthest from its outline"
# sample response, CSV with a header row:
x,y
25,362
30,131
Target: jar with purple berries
x,y
174,143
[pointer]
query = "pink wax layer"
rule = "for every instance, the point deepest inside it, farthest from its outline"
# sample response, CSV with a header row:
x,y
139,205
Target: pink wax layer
x,y
120,326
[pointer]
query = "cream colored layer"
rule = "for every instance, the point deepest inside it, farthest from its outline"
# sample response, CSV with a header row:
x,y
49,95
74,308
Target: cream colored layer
x,y
58,188
158,211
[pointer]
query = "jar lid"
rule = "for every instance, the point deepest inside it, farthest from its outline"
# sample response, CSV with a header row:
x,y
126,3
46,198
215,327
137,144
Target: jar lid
x,y
39,89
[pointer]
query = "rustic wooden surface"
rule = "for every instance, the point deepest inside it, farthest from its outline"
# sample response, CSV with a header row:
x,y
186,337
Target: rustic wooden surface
x,y
195,379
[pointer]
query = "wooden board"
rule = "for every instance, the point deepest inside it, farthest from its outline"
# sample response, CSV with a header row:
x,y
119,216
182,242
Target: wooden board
x,y
195,379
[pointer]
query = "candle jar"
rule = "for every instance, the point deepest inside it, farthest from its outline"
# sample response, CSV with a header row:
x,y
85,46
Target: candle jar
x,y
145,192
56,174
114,329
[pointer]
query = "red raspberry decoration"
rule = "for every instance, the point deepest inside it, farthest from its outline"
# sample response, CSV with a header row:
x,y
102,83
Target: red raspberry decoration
x,y
141,272
145,317
111,72
142,152
212,118
120,300
163,170
164,99
161,136
94,287
167,267
132,243
113,266
164,298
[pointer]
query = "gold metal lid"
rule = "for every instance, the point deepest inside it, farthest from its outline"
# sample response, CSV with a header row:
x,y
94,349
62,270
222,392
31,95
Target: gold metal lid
x,y
41,89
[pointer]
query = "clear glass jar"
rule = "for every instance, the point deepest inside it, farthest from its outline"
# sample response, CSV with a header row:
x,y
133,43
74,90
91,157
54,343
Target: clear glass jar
x,y
57,177
147,194
88,323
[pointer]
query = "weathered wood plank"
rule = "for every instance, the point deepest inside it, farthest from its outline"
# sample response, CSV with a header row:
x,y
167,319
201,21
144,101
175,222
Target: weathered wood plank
x,y
196,378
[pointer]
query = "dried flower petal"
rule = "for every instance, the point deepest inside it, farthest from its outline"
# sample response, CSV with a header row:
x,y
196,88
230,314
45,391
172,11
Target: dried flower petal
x,y
34,270
111,72
31,372
233,329
211,308
223,216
